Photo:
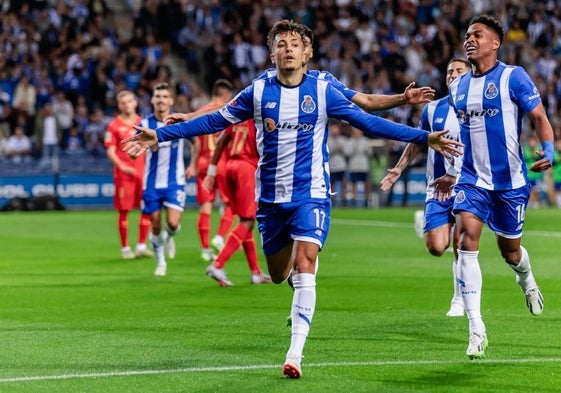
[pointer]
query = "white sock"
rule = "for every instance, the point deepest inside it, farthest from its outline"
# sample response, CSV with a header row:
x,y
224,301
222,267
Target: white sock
x,y
471,282
158,246
457,299
140,247
303,307
523,271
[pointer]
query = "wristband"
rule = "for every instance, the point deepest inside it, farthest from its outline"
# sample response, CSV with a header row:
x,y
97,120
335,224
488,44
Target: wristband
x,y
451,170
211,171
548,154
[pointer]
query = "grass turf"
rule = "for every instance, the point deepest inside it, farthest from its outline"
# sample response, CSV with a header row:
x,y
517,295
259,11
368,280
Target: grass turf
x,y
75,317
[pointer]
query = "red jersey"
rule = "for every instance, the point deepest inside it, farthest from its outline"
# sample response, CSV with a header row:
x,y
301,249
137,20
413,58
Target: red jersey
x,y
118,130
207,145
243,144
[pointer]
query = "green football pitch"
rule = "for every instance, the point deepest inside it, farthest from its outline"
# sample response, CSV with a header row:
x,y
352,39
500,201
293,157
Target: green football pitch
x,y
75,317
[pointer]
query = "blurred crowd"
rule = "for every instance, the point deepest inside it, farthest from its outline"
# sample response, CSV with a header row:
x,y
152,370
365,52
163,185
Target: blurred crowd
x,y
62,61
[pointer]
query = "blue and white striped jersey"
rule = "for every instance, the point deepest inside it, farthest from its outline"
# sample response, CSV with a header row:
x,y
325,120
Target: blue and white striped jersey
x,y
438,115
165,166
490,108
326,75
291,123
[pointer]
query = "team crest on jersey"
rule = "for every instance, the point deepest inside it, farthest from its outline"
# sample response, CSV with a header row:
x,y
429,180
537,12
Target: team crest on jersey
x,y
461,197
491,91
308,105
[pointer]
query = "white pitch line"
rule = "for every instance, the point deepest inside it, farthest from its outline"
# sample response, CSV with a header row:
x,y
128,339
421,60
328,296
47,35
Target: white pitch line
x,y
270,366
389,224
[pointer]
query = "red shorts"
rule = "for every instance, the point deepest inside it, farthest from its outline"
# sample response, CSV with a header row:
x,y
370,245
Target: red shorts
x,y
240,177
128,192
202,194
219,183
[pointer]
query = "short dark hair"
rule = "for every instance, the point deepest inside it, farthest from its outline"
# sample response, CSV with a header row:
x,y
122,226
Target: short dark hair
x,y
284,26
461,60
490,22
221,84
163,86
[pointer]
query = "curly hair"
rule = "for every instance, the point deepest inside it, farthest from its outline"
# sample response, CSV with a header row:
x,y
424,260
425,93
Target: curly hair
x,y
490,22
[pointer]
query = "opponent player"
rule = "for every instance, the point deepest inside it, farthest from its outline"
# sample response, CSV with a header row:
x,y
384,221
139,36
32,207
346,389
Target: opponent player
x,y
127,175
238,142
221,94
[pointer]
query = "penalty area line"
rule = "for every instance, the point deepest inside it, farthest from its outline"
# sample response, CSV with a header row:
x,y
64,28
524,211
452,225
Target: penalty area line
x,y
263,367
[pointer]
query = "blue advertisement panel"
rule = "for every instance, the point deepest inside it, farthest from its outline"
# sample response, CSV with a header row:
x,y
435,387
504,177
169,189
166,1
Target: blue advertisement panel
x,y
73,191
23,186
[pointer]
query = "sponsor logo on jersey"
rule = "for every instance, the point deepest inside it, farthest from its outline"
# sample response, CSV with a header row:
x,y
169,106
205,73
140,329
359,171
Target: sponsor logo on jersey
x,y
491,91
463,116
535,95
271,105
308,105
439,120
270,125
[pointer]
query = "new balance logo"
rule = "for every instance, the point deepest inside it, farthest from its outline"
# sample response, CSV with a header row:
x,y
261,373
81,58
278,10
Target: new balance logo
x,y
270,105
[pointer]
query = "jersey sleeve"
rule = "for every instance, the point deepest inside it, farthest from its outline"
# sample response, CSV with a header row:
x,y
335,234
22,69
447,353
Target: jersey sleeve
x,y
338,107
338,85
523,90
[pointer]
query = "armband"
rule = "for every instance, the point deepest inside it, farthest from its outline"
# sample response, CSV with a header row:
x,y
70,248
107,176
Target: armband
x,y
548,154
211,171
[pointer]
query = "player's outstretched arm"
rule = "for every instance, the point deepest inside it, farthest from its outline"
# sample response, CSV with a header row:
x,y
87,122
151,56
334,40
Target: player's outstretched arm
x,y
378,102
447,147
410,152
418,95
180,117
136,144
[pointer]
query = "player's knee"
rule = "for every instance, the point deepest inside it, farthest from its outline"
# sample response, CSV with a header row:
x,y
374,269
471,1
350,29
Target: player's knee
x,y
436,251
436,248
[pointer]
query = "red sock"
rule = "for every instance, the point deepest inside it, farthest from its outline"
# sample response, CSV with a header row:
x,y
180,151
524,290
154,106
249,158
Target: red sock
x,y
143,228
233,242
250,250
123,225
226,221
203,225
